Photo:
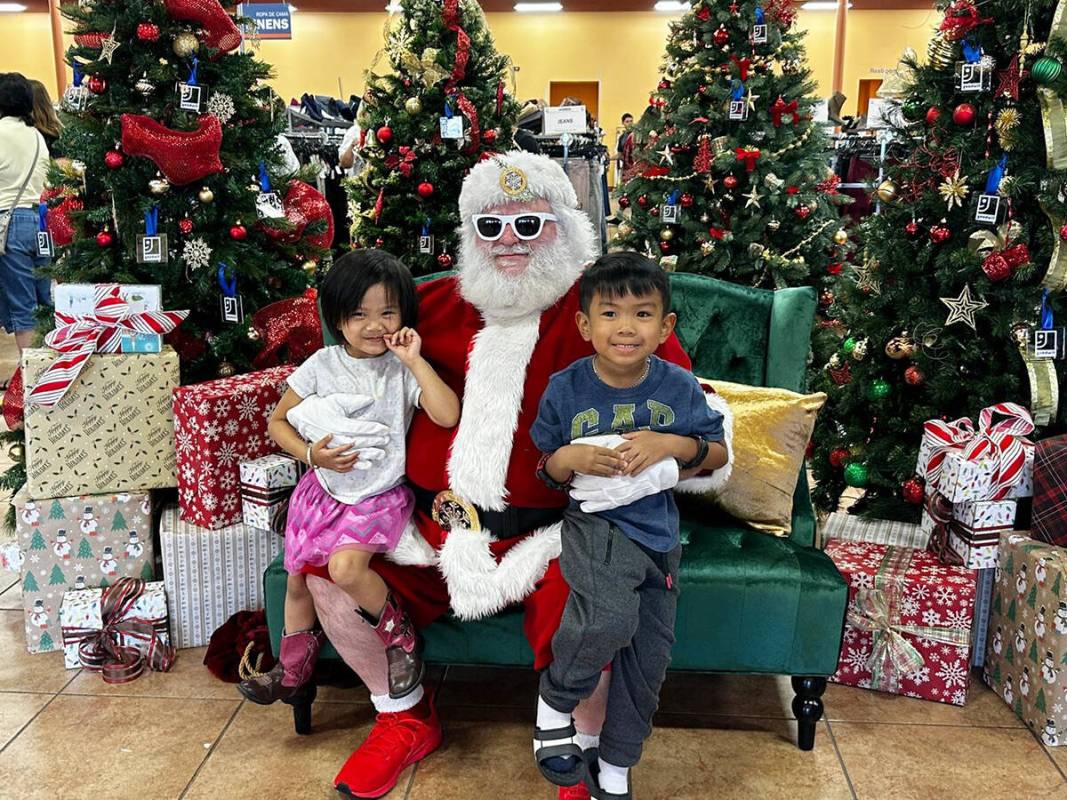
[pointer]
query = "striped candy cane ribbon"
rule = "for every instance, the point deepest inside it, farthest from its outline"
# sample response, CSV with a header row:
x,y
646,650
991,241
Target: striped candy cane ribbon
x,y
1004,442
952,435
78,337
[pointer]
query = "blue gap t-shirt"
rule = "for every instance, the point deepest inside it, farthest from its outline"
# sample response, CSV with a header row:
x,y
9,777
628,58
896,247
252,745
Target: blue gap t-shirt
x,y
669,400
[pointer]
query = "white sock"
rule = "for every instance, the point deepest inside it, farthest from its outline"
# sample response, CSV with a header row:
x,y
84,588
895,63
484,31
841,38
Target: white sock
x,y
612,779
548,718
384,704
587,741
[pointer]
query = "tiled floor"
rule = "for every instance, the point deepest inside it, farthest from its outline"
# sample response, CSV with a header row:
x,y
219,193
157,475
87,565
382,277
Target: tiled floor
x,y
185,735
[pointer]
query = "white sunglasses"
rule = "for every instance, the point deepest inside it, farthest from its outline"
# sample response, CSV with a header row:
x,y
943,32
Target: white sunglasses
x,y
527,226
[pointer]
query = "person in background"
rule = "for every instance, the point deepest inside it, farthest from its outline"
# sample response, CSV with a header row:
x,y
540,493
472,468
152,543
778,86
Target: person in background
x,y
23,168
350,161
45,118
624,147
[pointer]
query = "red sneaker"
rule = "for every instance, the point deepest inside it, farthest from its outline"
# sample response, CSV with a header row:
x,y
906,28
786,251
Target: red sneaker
x,y
579,792
395,743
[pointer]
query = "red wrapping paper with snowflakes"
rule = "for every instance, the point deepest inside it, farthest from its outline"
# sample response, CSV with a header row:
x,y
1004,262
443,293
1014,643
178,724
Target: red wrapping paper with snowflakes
x,y
217,425
909,621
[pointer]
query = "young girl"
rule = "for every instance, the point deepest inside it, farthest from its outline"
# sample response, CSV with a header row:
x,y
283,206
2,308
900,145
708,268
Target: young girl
x,y
351,505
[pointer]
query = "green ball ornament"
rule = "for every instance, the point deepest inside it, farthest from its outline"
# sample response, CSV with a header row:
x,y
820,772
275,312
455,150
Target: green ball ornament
x,y
856,475
1045,70
914,110
849,345
879,389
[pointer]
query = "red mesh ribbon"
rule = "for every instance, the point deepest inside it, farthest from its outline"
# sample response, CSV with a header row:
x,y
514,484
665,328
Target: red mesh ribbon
x,y
703,159
379,206
749,155
403,160
182,156
303,205
450,16
290,324
960,19
999,265
60,224
471,113
220,31
13,401
106,650
92,40
780,107
77,338
500,98
742,65
784,12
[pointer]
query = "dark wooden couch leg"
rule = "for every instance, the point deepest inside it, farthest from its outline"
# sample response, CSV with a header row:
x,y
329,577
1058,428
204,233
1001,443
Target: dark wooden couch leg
x,y
807,708
301,703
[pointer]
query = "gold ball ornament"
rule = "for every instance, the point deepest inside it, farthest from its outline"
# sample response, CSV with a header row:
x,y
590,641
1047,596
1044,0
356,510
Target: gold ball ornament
x,y
159,186
226,370
206,196
841,237
625,229
887,191
1020,334
773,224
413,106
901,347
185,44
310,267
666,235
859,352
77,169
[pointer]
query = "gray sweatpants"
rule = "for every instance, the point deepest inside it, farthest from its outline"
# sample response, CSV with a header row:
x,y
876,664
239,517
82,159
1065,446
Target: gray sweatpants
x,y
620,611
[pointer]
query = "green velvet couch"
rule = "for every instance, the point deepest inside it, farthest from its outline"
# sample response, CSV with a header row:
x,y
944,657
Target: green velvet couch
x,y
750,602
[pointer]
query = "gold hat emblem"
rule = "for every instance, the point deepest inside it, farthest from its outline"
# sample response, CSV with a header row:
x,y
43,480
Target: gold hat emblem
x,y
513,182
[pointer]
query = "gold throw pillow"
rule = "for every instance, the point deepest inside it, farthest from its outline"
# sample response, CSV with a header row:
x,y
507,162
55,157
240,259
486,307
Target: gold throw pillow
x,y
772,428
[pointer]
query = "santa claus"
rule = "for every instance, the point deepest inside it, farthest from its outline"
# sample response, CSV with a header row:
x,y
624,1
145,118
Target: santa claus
x,y
495,332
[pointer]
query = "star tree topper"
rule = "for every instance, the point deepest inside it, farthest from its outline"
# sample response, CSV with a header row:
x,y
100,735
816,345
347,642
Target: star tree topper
x,y
963,308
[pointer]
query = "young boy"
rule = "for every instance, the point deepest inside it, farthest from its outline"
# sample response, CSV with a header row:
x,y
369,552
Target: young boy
x,y
621,563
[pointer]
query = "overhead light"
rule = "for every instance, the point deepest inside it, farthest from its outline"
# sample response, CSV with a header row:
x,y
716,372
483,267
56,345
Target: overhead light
x,y
671,5
822,5
538,8
11,7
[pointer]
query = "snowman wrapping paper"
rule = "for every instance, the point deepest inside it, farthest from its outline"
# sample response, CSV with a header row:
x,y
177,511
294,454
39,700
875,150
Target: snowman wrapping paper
x,y
113,431
77,543
1026,653
909,622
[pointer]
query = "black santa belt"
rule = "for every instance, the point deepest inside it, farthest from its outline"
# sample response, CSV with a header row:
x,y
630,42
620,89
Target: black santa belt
x,y
507,524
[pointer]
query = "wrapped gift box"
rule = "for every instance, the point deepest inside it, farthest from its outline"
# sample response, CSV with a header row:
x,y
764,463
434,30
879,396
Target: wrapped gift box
x,y
908,629
975,529
940,437
1027,646
112,432
964,479
217,425
79,300
82,615
211,574
876,531
10,555
1049,519
266,484
982,605
77,543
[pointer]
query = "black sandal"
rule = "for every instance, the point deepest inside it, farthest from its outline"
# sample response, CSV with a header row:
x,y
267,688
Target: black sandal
x,y
593,780
570,748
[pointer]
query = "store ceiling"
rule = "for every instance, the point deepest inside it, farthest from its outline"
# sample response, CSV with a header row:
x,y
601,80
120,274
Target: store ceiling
x,y
350,6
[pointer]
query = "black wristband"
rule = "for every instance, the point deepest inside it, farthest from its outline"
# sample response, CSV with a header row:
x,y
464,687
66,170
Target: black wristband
x,y
698,459
552,483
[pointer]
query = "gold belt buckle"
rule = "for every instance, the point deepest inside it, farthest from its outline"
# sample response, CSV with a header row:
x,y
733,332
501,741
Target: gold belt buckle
x,y
451,511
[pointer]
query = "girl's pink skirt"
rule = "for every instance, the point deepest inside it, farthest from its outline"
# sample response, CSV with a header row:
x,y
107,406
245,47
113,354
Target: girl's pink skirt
x,y
320,525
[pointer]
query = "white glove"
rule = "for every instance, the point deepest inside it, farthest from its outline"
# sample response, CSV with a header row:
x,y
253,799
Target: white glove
x,y
316,417
603,494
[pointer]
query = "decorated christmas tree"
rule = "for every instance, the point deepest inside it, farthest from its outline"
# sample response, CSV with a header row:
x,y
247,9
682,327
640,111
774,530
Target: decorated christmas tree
x,y
731,178
440,109
942,315
171,175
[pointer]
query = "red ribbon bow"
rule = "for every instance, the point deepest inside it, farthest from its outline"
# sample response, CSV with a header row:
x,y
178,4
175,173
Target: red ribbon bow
x,y
749,155
403,160
450,16
780,107
105,651
742,65
78,337
1005,442
292,324
960,18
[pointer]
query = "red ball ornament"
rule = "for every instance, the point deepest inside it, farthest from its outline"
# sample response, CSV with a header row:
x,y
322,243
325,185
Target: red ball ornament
x,y
933,114
425,190
238,232
912,229
114,159
964,114
445,261
148,32
912,490
1063,233
838,457
665,247
802,211
97,85
664,84
996,267
835,268
642,201
721,36
385,134
489,136
913,376
939,234
185,226
791,190
730,182
654,211
686,200
379,243
624,202
104,238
